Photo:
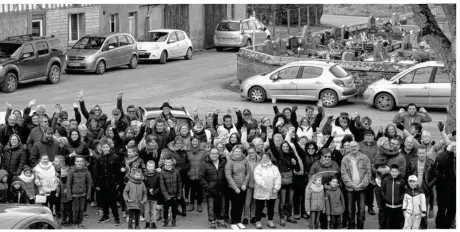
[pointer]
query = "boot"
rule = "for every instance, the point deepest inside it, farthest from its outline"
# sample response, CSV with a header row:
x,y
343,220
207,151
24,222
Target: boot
x,y
147,225
190,208
173,224
199,208
153,226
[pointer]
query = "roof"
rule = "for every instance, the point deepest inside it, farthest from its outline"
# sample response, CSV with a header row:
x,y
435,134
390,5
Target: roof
x,y
314,62
235,20
153,112
106,34
165,30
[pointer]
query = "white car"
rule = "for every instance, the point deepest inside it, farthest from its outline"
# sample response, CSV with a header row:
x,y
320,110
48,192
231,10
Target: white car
x,y
164,44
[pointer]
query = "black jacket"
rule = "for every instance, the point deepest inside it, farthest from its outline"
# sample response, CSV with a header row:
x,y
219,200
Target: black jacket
x,y
107,171
213,179
152,182
445,172
393,190
429,174
14,159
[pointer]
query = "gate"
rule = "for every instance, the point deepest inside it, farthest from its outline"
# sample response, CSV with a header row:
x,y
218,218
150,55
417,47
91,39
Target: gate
x,y
176,16
213,14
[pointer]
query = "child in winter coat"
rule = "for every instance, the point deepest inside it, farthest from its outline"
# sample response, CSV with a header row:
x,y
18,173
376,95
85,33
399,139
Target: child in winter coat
x,y
3,186
414,205
314,200
79,189
393,190
66,202
381,171
17,195
152,184
335,203
135,195
171,188
27,178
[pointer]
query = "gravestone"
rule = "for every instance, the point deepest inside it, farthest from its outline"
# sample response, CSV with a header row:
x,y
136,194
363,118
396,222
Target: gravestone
x,y
268,47
277,47
413,39
293,44
371,23
306,38
406,41
282,46
315,41
395,19
334,33
378,48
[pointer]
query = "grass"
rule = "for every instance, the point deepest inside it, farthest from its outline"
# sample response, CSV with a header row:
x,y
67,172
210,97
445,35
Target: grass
x,y
365,10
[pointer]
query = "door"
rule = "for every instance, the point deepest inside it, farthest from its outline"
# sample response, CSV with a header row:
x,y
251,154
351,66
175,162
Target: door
x,y
173,45
43,53
309,82
28,63
111,55
125,50
285,85
183,45
413,87
260,33
440,88
176,16
213,14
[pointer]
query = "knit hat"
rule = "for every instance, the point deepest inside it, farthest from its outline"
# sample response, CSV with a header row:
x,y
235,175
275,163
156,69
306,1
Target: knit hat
x,y
368,131
344,115
26,168
166,104
63,114
116,112
104,142
413,178
246,112
16,180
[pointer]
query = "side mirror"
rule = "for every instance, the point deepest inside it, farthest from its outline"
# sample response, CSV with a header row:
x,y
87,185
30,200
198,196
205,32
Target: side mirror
x,y
171,41
265,28
25,55
111,47
397,82
274,77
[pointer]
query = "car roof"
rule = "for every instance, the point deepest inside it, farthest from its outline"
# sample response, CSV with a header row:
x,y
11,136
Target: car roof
x,y
106,34
430,63
238,20
164,30
314,63
153,112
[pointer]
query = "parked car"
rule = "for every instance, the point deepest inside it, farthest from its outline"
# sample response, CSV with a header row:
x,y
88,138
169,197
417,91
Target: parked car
x,y
19,216
164,44
232,33
27,58
181,114
303,80
99,52
426,84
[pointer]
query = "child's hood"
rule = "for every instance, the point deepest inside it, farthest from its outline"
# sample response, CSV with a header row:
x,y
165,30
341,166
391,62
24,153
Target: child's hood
x,y
27,179
136,181
414,192
3,173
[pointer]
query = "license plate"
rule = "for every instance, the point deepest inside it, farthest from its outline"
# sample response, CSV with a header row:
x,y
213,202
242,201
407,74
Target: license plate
x,y
141,53
74,64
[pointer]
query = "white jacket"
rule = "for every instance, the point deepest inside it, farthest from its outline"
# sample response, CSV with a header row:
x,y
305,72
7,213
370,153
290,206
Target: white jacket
x,y
340,134
267,177
414,202
302,132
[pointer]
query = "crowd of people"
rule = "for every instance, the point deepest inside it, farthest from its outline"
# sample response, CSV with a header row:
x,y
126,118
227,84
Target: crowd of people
x,y
157,169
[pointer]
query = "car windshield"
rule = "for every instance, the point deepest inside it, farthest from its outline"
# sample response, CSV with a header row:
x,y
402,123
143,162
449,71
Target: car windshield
x,y
338,71
89,43
154,37
228,26
9,50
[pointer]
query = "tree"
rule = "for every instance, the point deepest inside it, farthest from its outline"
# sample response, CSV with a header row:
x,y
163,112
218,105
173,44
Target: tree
x,y
443,46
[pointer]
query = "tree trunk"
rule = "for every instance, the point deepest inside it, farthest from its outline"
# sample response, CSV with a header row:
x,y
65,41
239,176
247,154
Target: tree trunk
x,y
443,47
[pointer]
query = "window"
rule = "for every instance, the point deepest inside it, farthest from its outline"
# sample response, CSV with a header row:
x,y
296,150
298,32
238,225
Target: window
x,y
114,23
442,75
422,75
245,26
42,48
180,35
259,25
122,40
37,27
76,26
28,49
406,79
132,22
288,73
130,40
338,71
311,72
228,26
112,41
172,37
154,37
56,45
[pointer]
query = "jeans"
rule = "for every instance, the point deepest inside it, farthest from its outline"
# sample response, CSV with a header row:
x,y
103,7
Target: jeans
x,y
394,217
336,222
134,217
369,193
249,204
286,195
120,199
150,211
237,206
227,196
260,205
381,206
411,221
108,198
66,211
196,192
345,213
216,207
314,220
78,207
299,194
356,198
170,204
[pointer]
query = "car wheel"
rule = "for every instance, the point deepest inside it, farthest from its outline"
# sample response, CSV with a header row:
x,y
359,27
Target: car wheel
x,y
100,67
11,83
257,94
384,102
54,74
219,49
248,43
329,98
163,57
189,54
133,62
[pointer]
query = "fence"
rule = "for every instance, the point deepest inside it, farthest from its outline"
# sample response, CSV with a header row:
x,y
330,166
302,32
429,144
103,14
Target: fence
x,y
10,8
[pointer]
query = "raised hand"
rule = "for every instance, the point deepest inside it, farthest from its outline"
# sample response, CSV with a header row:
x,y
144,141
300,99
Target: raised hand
x,y
320,103
422,110
244,129
57,108
80,95
8,105
217,111
236,109
356,114
441,126
229,111
401,111
32,103
75,104
120,94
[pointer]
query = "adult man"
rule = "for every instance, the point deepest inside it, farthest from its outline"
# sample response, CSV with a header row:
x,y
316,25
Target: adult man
x,y
411,116
409,151
358,126
249,122
132,113
47,145
394,156
120,123
37,133
228,124
59,116
446,187
370,148
356,173
162,136
212,176
9,129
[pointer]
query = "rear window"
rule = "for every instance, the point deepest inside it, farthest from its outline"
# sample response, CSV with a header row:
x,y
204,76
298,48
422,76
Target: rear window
x,y
154,37
338,71
56,45
228,26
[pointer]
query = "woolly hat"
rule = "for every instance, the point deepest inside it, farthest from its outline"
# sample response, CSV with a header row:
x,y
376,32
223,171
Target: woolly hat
x,y
16,180
63,114
369,131
26,168
104,142
413,178
166,104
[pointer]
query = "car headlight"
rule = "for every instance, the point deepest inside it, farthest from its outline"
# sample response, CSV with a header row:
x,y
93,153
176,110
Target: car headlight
x,y
90,58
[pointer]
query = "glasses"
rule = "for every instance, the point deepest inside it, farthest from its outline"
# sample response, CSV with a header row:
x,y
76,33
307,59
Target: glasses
x,y
63,118
97,109
354,146
311,148
131,111
366,124
327,156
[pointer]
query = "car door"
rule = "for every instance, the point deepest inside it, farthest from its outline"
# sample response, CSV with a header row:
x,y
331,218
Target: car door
x,y
439,88
43,57
124,50
309,82
183,45
111,55
413,87
173,45
28,63
284,83
260,33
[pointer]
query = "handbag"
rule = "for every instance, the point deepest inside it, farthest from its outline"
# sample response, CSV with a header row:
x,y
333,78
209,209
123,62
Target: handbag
x,y
286,178
40,199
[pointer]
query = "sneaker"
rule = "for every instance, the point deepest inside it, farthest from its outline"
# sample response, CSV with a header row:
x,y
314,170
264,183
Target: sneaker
x,y
147,225
86,215
117,221
104,219
292,220
235,227
199,208
153,226
212,225
190,208
221,224
305,216
241,226
165,225
173,224
297,217
271,224
283,222
245,221
142,219
258,225
253,220
228,221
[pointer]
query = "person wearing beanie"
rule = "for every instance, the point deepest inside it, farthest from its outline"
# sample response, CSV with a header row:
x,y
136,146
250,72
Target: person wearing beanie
x,y
117,121
370,148
47,145
17,195
414,205
3,186
28,183
135,195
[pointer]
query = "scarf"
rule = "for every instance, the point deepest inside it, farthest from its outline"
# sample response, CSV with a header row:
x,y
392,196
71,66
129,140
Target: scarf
x,y
46,177
316,188
27,179
130,160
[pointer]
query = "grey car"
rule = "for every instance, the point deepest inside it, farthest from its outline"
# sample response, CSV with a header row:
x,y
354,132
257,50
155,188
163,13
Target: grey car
x,y
236,33
98,52
31,217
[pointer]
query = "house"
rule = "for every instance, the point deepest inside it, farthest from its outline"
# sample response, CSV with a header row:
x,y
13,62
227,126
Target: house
x,y
70,22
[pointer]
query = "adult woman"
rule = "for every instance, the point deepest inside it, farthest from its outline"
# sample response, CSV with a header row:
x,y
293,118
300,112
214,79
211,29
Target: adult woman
x,y
94,113
390,132
75,147
46,180
237,173
184,131
249,205
14,157
95,129
234,140
267,180
281,124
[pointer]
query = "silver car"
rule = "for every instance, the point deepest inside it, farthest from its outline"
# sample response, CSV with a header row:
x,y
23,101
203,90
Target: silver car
x,y
426,84
303,80
232,33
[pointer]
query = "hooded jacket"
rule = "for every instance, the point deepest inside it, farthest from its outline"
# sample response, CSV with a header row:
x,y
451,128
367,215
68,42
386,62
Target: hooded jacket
x,y
79,182
314,198
213,179
101,119
267,178
335,202
237,171
406,119
136,192
393,190
51,148
14,158
45,178
414,202
152,184
28,184
3,187
195,158
107,170
170,183
17,196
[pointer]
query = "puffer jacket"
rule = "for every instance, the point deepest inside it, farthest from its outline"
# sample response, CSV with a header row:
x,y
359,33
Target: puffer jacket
x,y
213,179
136,192
14,158
326,170
44,147
266,177
63,190
17,196
340,132
414,202
394,157
314,199
252,165
393,190
179,159
335,202
237,171
28,184
364,166
3,187
162,138
170,183
79,182
195,158
107,170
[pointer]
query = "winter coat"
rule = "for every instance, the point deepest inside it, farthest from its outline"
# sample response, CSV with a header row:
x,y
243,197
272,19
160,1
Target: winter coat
x,y
267,178
335,202
63,190
414,202
326,170
6,131
429,174
52,149
393,190
213,179
80,148
3,187
446,174
79,182
284,162
162,138
152,182
14,159
28,184
395,157
170,183
107,171
314,199
179,158
407,119
370,149
409,156
101,119
252,165
364,166
195,158
341,132
237,171
17,196
129,164
45,178
136,192
35,136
